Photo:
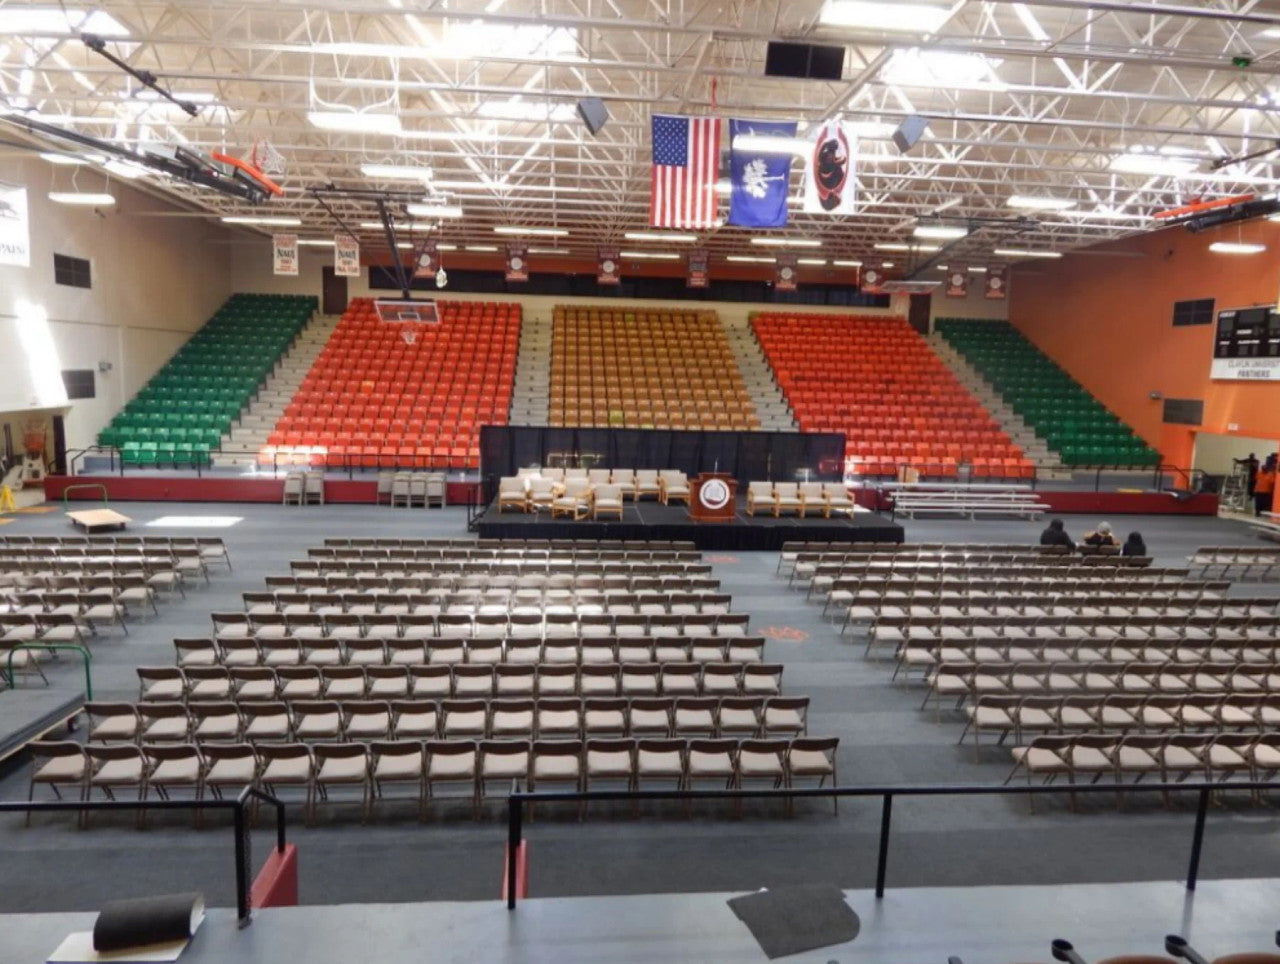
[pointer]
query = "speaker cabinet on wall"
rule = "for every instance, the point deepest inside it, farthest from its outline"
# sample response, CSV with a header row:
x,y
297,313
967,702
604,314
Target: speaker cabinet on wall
x,y
810,61
593,113
909,132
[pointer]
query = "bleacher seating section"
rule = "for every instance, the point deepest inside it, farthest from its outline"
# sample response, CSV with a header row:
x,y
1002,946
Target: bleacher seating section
x,y
1061,411
877,381
645,369
183,411
373,399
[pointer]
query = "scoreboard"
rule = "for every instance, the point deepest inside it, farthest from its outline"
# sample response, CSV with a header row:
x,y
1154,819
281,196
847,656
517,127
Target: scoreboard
x,y
1246,344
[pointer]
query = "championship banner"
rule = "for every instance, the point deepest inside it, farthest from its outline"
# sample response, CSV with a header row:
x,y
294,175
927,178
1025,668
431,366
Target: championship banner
x,y
873,281
829,186
785,276
697,276
346,256
958,281
997,282
518,262
15,228
428,261
285,252
608,267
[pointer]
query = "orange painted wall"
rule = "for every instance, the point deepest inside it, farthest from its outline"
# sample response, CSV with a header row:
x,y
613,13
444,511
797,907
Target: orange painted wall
x,y
1105,315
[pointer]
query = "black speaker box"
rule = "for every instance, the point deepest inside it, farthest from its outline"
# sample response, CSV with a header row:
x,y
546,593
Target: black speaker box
x,y
593,113
810,61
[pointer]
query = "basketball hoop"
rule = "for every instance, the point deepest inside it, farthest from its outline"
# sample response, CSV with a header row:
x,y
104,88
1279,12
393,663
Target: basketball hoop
x,y
266,158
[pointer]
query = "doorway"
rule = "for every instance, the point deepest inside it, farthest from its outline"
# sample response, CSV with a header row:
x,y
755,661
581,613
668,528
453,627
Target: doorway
x,y
333,289
918,315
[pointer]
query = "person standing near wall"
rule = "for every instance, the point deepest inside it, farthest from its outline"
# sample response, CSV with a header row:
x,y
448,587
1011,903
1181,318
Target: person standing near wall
x,y
1264,486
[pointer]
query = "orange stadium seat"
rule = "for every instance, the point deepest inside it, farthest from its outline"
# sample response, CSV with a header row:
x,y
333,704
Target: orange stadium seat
x,y
898,405
375,401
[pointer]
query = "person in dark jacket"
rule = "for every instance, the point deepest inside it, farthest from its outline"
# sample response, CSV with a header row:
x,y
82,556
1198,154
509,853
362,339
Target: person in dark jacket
x,y
1056,535
1134,546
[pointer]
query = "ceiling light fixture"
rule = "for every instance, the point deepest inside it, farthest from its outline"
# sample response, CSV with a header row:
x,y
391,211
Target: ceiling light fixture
x,y
395,172
1023,253
1237,247
55,20
815,262
533,232
354,123
940,68
749,259
434,210
266,221
883,15
1154,165
899,246
549,251
480,248
316,242
668,236
787,242
847,264
942,232
125,169
1029,203
88,198
67,160
650,255
772,144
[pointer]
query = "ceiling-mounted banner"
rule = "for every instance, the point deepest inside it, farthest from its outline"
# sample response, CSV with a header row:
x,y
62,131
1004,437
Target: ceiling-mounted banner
x,y
518,261
608,267
284,249
958,281
785,274
873,281
758,180
15,227
427,263
697,276
997,282
829,185
346,256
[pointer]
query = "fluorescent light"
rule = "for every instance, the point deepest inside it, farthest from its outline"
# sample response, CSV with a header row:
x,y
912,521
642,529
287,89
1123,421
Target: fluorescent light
x,y
349,121
72,197
1237,247
549,251
535,232
125,169
398,225
787,242
847,264
1023,253
883,15
480,247
947,205
886,264
445,246
671,236
939,68
1155,165
650,255
64,159
255,219
54,20
943,232
405,245
462,40
1029,203
899,246
516,109
749,259
977,269
316,242
395,172
817,262
434,210
1106,214
772,144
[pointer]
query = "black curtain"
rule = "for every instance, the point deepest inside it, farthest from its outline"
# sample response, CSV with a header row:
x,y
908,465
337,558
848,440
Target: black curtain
x,y
748,456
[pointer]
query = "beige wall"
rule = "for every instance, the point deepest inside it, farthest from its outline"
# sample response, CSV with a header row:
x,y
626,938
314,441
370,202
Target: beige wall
x,y
157,274
975,305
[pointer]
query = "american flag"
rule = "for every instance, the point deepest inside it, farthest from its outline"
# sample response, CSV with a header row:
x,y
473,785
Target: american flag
x,y
686,161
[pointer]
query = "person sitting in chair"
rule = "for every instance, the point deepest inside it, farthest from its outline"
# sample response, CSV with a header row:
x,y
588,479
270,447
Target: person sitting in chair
x,y
1101,537
1134,546
1056,535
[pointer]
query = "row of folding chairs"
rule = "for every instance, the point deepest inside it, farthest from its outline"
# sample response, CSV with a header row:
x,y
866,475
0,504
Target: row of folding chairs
x,y
515,545
449,718
475,767
453,583
824,573
841,593
165,575
440,680
397,568
515,625
1164,758
508,556
1022,716
868,605
1005,581
963,681
501,601
924,657
895,630
408,651
13,598
1153,616
792,550
60,627
1248,563
802,565
190,557
214,545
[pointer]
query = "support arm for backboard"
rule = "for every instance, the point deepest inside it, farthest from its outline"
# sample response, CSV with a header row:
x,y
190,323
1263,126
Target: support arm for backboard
x,y
389,227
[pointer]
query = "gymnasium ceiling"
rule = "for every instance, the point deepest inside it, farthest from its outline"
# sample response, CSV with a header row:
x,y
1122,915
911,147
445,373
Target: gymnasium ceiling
x,y
1030,99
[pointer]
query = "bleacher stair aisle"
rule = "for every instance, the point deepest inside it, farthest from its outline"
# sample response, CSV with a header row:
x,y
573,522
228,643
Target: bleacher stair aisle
x,y
771,405
531,392
1059,409
182,413
876,380
374,399
242,446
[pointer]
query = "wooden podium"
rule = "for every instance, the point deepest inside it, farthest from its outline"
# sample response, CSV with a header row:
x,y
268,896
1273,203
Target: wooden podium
x,y
713,497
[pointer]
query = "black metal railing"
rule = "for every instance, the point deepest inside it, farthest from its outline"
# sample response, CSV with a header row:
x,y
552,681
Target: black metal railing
x,y
238,808
516,803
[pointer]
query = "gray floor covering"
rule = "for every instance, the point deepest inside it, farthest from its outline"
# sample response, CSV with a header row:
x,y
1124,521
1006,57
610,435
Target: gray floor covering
x,y
884,739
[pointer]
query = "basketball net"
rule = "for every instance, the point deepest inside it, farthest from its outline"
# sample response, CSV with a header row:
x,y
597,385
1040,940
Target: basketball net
x,y
266,158
408,334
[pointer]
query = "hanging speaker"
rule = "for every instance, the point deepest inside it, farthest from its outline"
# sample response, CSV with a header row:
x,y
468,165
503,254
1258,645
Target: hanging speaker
x,y
593,113
908,132
810,61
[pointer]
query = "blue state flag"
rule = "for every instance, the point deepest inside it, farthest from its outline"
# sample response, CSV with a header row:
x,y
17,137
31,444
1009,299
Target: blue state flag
x,y
759,180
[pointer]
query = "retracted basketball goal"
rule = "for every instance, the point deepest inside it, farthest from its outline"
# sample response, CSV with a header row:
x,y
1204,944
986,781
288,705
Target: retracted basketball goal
x,y
408,316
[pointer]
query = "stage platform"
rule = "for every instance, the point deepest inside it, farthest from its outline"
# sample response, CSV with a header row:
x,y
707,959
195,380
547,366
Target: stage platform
x,y
653,520
977,924
28,714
